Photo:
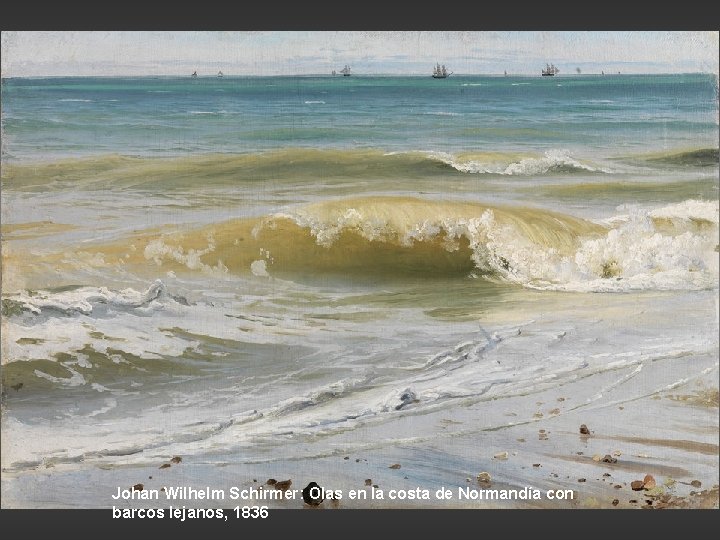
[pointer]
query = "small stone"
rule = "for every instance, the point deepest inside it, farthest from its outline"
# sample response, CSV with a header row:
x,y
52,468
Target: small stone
x,y
617,486
176,459
621,408
484,477
669,482
165,466
607,474
633,501
395,466
657,491
357,460
555,411
284,485
368,482
696,483
538,415
501,455
346,458
521,440
637,485
597,457
580,453
649,482
584,430
536,465
617,453
582,480
561,399
609,459
149,477
271,482
375,486
138,487
541,431
615,502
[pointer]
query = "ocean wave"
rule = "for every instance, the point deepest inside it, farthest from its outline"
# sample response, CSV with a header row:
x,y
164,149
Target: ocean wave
x,y
670,247
554,161
115,171
314,102
701,157
442,113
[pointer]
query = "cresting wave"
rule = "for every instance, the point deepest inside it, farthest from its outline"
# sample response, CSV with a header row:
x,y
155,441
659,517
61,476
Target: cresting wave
x,y
115,171
672,247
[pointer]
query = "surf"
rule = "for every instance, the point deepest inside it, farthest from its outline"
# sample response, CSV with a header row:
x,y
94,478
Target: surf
x,y
670,247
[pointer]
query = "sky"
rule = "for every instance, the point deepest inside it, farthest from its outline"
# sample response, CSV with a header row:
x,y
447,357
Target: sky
x,y
69,53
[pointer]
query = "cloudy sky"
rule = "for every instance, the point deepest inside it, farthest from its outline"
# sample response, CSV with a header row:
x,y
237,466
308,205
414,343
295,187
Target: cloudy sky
x,y
288,53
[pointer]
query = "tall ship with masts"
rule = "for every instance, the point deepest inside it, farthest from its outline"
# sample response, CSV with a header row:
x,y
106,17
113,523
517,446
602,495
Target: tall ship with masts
x,y
440,72
550,70
345,71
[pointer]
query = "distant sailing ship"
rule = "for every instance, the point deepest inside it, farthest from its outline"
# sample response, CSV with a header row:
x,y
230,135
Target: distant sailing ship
x,y
440,72
194,75
550,70
220,74
345,71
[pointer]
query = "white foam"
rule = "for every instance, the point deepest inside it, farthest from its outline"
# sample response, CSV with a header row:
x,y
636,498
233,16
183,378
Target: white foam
x,y
259,268
553,161
632,255
159,251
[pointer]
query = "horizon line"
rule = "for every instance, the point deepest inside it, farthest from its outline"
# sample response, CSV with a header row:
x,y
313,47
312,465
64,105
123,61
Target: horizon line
x,y
361,74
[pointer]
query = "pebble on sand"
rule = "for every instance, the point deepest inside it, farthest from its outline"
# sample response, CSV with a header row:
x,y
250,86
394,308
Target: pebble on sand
x,y
284,485
484,477
368,481
637,485
615,502
696,483
138,487
609,459
501,455
584,430
649,482
395,466
176,459
164,466
271,482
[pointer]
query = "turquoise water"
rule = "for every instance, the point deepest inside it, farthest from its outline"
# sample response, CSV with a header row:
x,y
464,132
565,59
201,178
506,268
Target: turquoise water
x,y
60,117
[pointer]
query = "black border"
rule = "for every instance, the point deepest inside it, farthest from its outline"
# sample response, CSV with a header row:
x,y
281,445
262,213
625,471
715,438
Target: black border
x,y
338,524
377,15
460,15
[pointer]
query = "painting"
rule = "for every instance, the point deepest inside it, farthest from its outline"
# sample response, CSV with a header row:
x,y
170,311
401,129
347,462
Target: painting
x,y
270,270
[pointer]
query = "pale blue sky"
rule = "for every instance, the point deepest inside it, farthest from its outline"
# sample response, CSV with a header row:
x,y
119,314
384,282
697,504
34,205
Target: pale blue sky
x,y
288,53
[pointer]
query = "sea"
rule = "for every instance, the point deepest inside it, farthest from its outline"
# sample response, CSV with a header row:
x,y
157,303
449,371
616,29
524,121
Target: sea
x,y
271,271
